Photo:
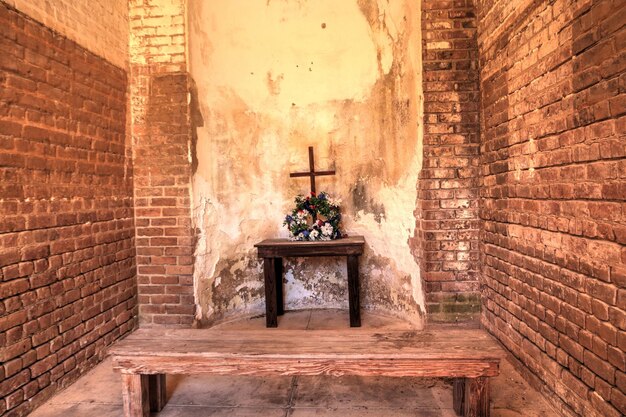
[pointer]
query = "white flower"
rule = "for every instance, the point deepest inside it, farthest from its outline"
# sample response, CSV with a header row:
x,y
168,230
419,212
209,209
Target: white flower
x,y
314,234
302,214
327,229
334,201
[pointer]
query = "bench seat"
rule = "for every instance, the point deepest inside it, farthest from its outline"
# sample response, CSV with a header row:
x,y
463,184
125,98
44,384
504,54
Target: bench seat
x,y
470,356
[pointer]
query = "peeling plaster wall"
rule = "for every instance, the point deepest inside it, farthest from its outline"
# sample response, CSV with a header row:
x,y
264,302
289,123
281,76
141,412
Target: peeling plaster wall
x,y
272,78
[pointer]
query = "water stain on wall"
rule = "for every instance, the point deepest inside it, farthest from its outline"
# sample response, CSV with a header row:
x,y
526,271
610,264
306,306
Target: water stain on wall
x,y
272,79
362,202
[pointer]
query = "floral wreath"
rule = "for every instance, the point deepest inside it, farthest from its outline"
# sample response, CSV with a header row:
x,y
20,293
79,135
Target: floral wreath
x,y
315,217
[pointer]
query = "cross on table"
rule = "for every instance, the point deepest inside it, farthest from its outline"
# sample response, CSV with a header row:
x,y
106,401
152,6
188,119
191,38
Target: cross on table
x,y
312,173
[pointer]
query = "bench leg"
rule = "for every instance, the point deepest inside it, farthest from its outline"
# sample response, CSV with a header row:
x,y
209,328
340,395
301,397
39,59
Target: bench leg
x,y
135,395
353,291
471,397
271,308
156,389
458,395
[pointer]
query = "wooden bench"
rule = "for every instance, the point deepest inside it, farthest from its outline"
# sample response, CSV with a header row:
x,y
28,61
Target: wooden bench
x,y
471,357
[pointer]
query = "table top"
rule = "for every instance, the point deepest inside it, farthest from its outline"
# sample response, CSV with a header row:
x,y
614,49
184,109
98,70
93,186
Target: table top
x,y
352,245
350,240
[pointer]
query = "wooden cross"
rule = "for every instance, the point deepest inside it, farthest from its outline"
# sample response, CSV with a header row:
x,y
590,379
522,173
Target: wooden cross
x,y
312,173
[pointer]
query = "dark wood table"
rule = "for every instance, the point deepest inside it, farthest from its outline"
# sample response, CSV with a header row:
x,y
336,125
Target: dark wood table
x,y
274,250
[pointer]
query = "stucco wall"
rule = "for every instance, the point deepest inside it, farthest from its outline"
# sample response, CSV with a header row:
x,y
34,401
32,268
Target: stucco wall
x,y
272,78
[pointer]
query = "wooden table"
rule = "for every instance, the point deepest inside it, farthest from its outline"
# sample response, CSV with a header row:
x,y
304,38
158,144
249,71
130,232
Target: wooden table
x,y
145,357
274,250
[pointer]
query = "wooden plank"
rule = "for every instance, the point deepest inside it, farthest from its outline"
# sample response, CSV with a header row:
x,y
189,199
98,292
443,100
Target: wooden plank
x,y
355,348
271,308
156,392
310,352
430,334
263,366
352,343
353,291
306,352
135,395
317,340
476,399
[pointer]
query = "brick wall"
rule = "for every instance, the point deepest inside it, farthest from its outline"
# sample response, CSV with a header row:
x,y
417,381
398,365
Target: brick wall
x,y
67,264
161,134
554,194
448,196
100,26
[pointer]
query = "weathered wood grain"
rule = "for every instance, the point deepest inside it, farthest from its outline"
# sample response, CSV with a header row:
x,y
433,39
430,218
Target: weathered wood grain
x,y
347,343
194,364
469,356
135,395
476,398
287,352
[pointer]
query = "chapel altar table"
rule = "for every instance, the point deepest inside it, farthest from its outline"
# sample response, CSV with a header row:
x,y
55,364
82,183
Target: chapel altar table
x,y
274,250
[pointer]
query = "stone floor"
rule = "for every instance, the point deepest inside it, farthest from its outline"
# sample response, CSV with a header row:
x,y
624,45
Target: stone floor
x,y
98,393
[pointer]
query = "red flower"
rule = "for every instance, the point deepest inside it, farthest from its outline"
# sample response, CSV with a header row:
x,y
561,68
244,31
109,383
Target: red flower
x,y
312,207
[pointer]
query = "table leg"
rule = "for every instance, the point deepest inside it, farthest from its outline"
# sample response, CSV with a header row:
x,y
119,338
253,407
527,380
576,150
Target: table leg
x,y
280,302
269,272
353,291
135,395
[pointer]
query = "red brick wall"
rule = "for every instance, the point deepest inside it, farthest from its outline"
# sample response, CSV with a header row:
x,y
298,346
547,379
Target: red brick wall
x,y
161,132
448,197
67,264
554,193
165,241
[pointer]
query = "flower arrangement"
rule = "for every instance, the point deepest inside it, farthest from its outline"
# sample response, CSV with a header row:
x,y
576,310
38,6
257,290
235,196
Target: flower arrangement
x,y
315,217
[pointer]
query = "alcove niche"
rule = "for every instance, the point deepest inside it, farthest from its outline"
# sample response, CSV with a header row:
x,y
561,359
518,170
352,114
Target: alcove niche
x,y
271,79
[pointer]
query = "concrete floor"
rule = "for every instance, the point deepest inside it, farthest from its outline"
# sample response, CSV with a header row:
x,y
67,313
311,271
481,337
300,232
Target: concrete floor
x,y
98,393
